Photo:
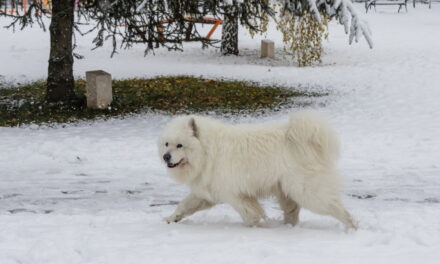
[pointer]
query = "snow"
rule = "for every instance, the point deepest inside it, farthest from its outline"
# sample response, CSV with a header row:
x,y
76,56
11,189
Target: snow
x,y
95,192
142,5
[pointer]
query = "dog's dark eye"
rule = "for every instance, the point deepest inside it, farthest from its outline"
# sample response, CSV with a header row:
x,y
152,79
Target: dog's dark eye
x,y
166,144
179,145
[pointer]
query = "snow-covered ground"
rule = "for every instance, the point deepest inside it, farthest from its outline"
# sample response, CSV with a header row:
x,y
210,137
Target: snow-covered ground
x,y
96,192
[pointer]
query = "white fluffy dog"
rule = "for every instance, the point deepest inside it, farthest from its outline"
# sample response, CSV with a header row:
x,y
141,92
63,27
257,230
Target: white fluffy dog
x,y
239,164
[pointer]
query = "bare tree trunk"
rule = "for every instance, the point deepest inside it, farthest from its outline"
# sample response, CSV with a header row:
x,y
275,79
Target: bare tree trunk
x,y
60,81
230,31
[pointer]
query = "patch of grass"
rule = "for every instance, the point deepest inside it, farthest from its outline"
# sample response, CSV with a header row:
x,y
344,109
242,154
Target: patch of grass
x,y
182,94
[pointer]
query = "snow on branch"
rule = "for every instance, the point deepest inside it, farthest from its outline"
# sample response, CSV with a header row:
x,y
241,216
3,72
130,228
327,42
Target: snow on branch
x,y
141,6
314,9
358,26
343,9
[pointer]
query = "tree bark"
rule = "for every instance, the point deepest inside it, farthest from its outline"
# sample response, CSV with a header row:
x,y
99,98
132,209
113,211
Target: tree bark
x,y
230,31
60,81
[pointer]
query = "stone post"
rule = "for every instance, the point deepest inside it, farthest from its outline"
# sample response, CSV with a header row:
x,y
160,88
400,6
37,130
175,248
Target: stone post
x,y
267,49
98,89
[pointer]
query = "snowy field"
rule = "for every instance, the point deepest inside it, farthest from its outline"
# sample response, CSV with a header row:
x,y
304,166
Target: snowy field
x,y
96,192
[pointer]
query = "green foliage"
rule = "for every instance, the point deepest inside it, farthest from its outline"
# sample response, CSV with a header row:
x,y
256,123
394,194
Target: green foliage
x,y
303,36
25,104
254,15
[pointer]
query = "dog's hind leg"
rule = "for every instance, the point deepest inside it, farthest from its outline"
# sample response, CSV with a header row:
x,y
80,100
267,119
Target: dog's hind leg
x,y
319,197
338,211
249,209
188,206
290,208
332,207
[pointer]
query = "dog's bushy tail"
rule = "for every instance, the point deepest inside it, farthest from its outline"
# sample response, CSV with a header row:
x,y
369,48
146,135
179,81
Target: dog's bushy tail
x,y
312,139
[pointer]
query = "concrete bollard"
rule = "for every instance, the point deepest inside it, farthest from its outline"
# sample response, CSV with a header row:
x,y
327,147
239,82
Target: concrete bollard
x,y
267,49
98,89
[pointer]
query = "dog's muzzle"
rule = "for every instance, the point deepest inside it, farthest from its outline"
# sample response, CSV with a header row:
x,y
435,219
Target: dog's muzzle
x,y
173,165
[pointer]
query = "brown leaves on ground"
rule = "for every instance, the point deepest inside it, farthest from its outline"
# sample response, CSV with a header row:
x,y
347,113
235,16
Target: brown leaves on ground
x,y
181,94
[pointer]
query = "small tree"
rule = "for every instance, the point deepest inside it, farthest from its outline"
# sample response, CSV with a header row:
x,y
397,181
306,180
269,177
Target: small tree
x,y
304,28
342,10
303,37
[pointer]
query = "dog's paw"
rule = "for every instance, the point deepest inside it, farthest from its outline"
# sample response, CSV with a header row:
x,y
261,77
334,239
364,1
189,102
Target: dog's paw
x,y
174,218
252,222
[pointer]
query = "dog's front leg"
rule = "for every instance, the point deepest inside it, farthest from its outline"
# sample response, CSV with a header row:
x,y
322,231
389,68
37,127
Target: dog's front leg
x,y
188,206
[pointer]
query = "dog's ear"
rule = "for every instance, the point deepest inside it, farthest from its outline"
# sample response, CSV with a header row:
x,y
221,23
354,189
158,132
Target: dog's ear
x,y
192,124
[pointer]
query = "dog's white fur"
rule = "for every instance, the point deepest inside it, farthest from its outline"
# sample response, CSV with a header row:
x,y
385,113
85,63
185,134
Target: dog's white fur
x,y
240,164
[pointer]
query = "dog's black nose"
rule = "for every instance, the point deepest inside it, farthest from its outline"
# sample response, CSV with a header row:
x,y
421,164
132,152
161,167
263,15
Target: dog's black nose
x,y
167,157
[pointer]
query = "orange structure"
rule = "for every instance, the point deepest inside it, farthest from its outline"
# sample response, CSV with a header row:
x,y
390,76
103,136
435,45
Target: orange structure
x,y
204,20
24,7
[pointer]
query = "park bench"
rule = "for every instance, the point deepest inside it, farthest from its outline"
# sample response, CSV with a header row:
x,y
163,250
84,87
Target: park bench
x,y
373,3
